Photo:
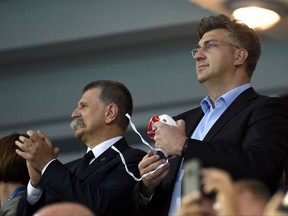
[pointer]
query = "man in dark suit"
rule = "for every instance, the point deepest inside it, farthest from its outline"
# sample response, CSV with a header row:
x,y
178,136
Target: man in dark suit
x,y
234,129
103,185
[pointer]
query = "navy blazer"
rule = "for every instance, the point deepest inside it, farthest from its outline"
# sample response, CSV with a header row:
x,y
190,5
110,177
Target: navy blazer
x,y
249,140
104,187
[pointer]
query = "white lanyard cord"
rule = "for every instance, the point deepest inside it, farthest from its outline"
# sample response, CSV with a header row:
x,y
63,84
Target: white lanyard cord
x,y
144,142
130,173
155,150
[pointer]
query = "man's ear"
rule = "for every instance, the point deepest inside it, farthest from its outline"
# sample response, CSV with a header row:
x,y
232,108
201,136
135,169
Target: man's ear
x,y
240,56
111,113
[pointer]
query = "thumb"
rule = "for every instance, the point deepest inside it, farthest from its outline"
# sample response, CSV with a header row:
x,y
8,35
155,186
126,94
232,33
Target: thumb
x,y
181,123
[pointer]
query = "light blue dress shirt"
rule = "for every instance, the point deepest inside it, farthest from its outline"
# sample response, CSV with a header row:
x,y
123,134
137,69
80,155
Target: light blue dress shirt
x,y
211,115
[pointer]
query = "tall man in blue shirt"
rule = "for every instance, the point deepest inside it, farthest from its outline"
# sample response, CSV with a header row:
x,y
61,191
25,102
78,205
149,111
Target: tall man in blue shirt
x,y
234,129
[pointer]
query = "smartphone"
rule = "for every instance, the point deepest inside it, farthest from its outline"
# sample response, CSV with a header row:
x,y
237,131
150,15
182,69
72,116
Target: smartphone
x,y
191,178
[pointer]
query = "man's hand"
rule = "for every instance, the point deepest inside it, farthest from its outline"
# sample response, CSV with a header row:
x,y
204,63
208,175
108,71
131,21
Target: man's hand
x,y
170,138
37,149
220,181
34,174
273,206
194,204
149,163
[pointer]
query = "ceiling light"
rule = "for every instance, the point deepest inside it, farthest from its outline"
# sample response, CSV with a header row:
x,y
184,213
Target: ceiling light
x,y
259,15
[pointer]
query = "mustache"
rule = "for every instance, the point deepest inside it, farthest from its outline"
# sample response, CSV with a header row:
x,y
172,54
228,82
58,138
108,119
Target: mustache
x,y
77,122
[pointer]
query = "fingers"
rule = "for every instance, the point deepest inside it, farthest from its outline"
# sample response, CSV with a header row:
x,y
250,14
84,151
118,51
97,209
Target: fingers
x,y
21,153
215,176
41,135
149,154
28,146
274,203
148,159
191,205
149,163
159,174
189,199
157,123
37,149
152,180
24,144
36,136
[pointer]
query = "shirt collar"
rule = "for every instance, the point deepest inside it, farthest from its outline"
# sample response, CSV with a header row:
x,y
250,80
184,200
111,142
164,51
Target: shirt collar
x,y
227,98
102,147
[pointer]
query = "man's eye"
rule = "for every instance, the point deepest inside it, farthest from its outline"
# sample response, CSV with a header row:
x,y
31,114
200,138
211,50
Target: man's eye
x,y
83,105
210,45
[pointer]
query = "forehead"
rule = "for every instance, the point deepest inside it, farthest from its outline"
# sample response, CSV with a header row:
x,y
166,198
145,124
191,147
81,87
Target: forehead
x,y
91,95
216,34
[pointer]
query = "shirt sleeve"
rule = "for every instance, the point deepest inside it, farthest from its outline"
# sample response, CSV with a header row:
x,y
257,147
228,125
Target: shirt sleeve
x,y
34,194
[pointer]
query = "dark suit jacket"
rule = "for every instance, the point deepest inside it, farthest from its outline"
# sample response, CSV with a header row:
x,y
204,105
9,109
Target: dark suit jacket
x,y
104,187
250,139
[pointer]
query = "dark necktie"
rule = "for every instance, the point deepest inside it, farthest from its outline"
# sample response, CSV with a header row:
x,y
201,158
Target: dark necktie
x,y
84,163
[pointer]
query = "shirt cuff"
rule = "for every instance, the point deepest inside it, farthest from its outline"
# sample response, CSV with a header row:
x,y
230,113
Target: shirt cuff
x,y
33,194
143,201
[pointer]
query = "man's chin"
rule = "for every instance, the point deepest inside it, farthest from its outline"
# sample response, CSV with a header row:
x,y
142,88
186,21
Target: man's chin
x,y
77,134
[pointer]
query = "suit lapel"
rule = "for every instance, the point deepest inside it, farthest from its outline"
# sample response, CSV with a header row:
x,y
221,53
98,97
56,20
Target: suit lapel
x,y
237,105
104,158
192,120
174,167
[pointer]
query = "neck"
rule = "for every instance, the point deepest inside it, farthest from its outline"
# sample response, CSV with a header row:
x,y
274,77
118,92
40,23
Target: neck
x,y
6,189
218,87
217,91
100,139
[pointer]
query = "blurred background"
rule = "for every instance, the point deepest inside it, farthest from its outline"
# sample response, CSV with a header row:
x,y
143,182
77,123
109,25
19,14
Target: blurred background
x,y
49,50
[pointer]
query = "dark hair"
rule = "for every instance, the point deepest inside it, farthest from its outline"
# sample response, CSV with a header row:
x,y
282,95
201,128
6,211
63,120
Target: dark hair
x,y
117,93
12,167
240,33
